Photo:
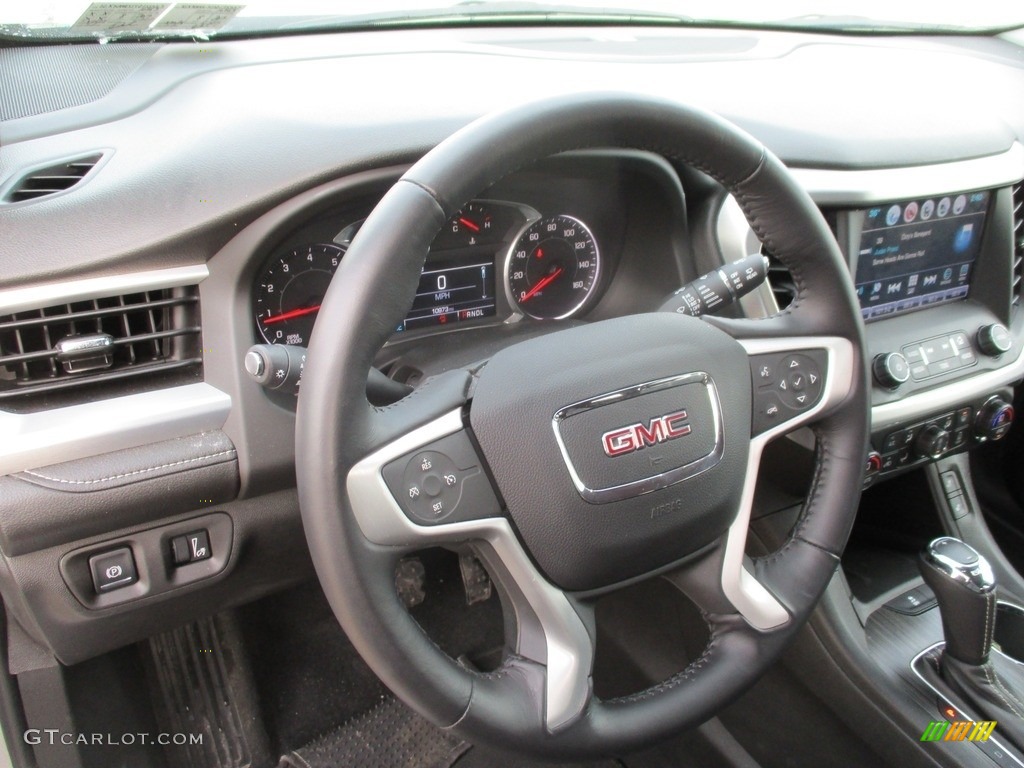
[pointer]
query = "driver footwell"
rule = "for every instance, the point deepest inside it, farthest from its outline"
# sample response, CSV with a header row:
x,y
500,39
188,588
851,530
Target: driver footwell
x,y
393,736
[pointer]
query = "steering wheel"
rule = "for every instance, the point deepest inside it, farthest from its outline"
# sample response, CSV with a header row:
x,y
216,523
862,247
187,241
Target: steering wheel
x,y
584,459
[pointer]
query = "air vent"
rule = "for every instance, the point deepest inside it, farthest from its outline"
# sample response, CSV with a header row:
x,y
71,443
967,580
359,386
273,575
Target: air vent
x,y
99,348
1018,240
51,180
780,280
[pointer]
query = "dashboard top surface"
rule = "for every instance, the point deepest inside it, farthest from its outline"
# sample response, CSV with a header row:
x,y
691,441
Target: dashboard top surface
x,y
200,139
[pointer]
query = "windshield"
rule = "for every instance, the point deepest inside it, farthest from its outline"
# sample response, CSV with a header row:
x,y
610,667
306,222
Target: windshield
x,y
73,19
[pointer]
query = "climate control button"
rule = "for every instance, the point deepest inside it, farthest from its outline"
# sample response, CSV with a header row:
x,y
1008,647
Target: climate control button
x,y
932,442
994,420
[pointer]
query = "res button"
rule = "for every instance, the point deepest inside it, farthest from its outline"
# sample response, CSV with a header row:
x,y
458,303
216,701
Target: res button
x,y
441,482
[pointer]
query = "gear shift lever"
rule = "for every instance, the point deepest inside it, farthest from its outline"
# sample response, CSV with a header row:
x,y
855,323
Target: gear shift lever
x,y
963,584
990,684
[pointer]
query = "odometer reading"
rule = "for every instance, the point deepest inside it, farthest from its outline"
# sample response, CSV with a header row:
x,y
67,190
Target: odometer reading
x,y
552,268
452,292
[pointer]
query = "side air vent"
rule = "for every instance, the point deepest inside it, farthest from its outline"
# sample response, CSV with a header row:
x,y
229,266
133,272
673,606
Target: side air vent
x,y
51,180
780,280
1018,240
100,347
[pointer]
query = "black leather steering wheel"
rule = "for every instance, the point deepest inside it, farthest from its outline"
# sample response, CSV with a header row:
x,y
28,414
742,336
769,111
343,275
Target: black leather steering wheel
x,y
576,521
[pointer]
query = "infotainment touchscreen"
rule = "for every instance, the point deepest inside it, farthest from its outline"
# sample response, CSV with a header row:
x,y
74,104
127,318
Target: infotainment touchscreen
x,y
917,253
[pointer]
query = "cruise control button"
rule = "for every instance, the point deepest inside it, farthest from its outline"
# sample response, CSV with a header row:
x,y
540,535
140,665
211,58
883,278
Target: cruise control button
x,y
442,482
432,485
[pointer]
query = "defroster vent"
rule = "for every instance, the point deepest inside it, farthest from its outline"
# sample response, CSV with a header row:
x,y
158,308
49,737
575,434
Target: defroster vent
x,y
99,347
43,182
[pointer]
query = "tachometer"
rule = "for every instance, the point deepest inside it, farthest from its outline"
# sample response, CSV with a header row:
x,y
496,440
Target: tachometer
x,y
553,267
290,291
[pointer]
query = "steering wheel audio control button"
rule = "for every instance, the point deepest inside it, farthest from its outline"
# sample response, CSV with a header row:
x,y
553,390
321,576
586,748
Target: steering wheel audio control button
x,y
785,384
442,483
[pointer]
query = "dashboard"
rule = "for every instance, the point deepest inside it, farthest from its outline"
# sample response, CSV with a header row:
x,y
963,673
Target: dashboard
x,y
224,187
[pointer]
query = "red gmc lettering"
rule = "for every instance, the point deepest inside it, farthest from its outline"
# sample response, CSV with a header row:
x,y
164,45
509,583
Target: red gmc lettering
x,y
636,436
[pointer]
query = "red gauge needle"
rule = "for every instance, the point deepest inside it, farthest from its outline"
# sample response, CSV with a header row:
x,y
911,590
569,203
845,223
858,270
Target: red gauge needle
x,y
541,284
468,224
289,315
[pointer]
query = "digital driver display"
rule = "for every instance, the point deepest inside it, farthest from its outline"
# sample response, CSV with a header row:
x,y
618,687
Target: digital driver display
x,y
452,292
918,253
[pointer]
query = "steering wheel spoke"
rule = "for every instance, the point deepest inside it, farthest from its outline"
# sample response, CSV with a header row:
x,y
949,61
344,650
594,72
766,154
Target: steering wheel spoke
x,y
796,380
426,488
429,488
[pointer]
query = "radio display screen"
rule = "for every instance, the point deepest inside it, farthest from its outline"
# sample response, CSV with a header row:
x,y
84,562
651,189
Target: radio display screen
x,y
917,253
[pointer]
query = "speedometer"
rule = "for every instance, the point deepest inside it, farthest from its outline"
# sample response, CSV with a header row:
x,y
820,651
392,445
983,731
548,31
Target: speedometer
x,y
553,267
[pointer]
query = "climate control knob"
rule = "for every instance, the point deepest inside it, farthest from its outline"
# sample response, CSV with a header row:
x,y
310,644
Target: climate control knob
x,y
994,420
994,339
932,442
891,369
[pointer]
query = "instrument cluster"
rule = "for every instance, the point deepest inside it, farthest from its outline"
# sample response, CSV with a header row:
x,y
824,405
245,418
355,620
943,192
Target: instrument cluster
x,y
494,260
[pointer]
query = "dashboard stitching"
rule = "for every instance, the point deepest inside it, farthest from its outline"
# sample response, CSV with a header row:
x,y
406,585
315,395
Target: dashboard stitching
x,y
129,474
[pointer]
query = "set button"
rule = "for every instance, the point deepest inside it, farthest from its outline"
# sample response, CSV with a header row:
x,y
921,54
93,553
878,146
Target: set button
x,y
432,485
443,482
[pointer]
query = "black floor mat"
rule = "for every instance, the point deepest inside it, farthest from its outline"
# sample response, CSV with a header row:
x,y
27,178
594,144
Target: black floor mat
x,y
310,678
393,736
390,736
477,757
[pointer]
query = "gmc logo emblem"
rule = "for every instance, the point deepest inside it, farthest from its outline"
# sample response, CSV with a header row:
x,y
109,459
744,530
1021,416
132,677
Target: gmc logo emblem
x,y
636,436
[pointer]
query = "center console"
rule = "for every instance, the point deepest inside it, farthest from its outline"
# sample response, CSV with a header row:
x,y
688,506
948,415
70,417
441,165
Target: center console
x,y
935,259
937,280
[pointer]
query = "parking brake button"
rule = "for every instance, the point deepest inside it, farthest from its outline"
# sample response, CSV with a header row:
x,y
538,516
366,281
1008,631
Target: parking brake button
x,y
113,570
